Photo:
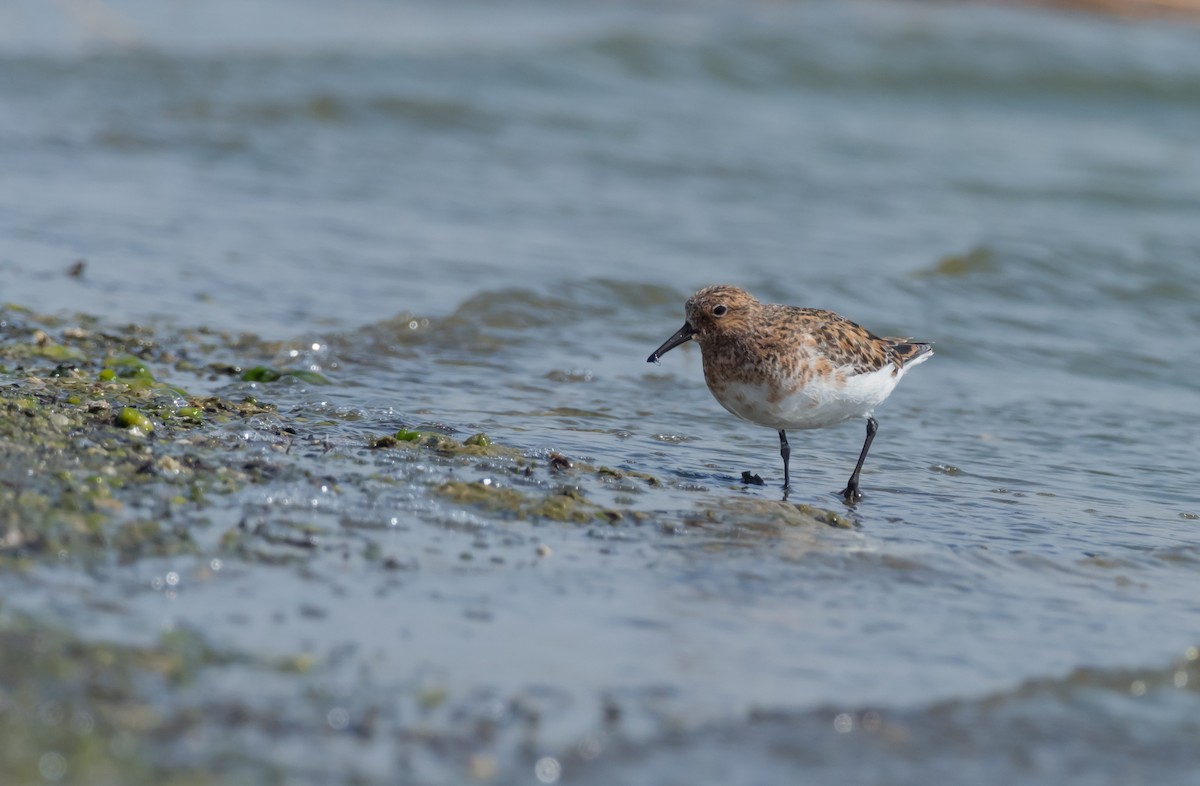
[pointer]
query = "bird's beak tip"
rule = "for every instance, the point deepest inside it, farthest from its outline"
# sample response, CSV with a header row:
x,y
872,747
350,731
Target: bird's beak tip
x,y
681,336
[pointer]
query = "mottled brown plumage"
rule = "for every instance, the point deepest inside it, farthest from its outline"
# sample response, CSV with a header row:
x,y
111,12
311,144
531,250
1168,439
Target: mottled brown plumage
x,y
790,367
779,337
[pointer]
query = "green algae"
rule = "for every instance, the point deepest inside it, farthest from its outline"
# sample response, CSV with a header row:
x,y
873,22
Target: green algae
x,y
127,367
479,494
564,504
480,445
270,374
125,397
977,260
87,433
617,474
822,516
261,374
766,515
149,538
130,418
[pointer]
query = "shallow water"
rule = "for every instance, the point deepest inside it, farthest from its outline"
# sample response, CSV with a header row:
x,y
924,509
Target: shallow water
x,y
475,218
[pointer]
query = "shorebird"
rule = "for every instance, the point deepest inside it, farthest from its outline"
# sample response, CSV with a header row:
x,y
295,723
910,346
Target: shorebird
x,y
787,367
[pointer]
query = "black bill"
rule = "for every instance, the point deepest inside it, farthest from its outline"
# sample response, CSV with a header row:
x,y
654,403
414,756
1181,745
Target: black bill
x,y
682,335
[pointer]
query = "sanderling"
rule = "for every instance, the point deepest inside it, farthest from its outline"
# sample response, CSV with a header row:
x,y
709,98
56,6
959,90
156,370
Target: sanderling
x,y
791,368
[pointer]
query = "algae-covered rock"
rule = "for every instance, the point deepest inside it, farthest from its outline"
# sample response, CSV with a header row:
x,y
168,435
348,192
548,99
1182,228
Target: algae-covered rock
x,y
126,367
439,442
478,440
617,474
190,413
766,515
130,418
269,374
474,445
74,423
565,504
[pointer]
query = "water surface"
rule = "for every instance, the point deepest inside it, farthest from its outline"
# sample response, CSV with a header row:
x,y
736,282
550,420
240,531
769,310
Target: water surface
x,y
480,218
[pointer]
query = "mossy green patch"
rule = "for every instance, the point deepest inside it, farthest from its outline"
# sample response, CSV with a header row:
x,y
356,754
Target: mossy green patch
x,y
823,516
766,515
130,418
269,374
261,374
564,504
128,367
56,352
647,478
479,440
75,427
149,538
474,445
977,260
488,496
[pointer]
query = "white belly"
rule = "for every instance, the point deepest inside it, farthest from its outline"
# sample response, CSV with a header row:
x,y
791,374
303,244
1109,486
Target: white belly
x,y
822,402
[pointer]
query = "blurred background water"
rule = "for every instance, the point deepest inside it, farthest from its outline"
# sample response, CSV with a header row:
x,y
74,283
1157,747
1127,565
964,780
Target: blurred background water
x,y
485,215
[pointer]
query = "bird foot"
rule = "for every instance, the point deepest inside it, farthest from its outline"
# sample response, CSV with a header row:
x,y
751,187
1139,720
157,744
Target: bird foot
x,y
752,480
851,494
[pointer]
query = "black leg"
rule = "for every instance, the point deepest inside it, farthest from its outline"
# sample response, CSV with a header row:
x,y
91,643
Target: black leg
x,y
786,452
852,494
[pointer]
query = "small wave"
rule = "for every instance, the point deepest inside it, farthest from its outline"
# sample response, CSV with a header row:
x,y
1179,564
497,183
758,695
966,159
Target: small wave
x,y
1089,726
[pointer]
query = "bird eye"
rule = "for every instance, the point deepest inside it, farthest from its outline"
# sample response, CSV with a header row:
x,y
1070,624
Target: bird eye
x,y
719,310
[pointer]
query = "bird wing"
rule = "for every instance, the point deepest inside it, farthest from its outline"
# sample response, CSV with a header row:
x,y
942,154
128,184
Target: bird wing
x,y
847,343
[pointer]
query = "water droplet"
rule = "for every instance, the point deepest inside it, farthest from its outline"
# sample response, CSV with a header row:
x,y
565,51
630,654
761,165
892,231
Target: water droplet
x,y
52,765
547,770
51,713
82,723
338,718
